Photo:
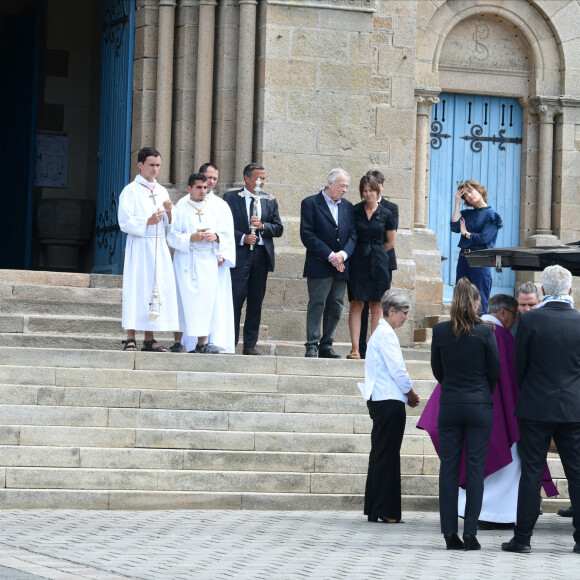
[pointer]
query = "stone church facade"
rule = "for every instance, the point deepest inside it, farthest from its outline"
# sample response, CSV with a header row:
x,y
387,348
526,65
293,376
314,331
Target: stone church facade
x,y
303,86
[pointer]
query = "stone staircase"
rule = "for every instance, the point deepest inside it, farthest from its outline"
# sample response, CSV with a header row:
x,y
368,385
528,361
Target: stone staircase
x,y
105,429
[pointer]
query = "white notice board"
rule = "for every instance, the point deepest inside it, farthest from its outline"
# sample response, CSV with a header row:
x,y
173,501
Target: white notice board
x,y
51,159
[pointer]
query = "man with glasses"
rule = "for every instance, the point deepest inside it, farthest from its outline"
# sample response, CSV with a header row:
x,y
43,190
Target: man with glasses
x,y
503,468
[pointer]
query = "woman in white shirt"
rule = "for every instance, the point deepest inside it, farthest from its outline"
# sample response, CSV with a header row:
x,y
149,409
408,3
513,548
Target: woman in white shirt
x,y
387,388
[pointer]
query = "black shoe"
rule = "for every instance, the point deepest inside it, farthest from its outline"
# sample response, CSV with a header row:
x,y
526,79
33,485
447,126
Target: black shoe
x,y
176,347
311,352
206,348
470,542
250,350
576,548
513,546
453,542
328,353
566,513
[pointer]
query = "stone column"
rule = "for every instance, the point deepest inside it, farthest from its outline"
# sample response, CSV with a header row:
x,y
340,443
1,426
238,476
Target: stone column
x,y
545,162
204,97
424,100
246,68
164,99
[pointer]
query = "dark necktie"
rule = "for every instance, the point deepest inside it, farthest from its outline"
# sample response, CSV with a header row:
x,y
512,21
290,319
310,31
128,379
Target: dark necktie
x,y
251,209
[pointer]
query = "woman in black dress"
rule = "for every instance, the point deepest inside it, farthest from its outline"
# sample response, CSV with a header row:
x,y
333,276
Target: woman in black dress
x,y
369,263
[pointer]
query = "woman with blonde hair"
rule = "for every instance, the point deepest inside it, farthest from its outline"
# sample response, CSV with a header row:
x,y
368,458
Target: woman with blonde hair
x,y
478,227
465,360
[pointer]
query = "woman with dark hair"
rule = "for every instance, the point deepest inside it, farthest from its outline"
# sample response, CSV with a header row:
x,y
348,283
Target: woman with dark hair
x,y
465,360
369,276
478,228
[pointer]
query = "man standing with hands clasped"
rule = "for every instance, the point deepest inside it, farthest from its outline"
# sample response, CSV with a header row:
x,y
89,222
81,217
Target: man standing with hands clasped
x,y
145,215
327,231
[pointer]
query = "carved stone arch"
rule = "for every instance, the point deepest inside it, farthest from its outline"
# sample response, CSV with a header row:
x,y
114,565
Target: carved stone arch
x,y
546,76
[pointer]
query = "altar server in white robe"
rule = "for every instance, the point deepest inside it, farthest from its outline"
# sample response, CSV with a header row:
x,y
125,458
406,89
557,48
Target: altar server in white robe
x,y
144,214
224,279
202,234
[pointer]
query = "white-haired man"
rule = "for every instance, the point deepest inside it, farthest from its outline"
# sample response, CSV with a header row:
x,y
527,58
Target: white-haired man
x,y
547,356
328,233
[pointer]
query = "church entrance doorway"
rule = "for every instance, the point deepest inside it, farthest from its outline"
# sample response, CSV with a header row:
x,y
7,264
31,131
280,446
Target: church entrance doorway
x,y
475,137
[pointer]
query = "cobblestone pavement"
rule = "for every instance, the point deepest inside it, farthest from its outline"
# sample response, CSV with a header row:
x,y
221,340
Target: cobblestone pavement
x,y
216,545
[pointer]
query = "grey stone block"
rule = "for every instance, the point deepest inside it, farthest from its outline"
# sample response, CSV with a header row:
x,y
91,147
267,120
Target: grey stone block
x,y
39,499
79,325
131,458
325,404
217,363
211,401
345,483
318,385
115,378
11,323
89,479
87,309
313,442
52,357
9,435
79,436
341,462
87,397
227,381
172,500
21,456
34,415
168,419
2,477
234,481
248,461
176,439
106,281
290,422
18,375
321,366
18,395
66,294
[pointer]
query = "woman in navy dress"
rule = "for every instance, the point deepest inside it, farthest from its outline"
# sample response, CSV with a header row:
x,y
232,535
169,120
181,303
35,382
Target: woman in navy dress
x,y
478,228
369,264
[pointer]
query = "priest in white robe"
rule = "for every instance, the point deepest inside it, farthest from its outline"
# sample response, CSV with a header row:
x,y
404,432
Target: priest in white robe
x,y
144,214
202,234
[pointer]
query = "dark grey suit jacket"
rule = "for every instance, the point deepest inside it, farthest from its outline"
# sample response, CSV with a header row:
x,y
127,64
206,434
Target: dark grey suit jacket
x,y
547,355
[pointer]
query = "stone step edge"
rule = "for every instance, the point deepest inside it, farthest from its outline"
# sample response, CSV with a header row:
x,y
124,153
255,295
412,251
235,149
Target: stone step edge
x,y
153,500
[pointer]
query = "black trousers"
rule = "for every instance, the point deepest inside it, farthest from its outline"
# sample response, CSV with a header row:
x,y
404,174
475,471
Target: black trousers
x,y
471,424
383,487
534,444
249,279
364,323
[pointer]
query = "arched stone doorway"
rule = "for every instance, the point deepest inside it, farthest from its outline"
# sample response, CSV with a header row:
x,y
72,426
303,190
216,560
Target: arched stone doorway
x,y
486,49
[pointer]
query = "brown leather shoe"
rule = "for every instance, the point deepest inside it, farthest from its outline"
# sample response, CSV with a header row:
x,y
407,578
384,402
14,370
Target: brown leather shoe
x,y
250,350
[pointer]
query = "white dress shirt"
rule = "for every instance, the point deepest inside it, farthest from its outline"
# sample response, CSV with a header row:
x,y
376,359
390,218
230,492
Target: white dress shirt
x,y
333,207
386,375
491,318
258,206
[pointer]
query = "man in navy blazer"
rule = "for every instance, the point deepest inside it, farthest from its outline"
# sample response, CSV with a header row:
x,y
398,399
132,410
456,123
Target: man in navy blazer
x,y
252,266
328,233
547,356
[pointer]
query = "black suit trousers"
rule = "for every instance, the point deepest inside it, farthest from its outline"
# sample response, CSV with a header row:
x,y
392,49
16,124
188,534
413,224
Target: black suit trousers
x,y
534,444
458,423
249,279
383,487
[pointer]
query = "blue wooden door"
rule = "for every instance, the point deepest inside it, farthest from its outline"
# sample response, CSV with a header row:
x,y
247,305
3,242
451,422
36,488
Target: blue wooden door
x,y
475,137
114,130
20,41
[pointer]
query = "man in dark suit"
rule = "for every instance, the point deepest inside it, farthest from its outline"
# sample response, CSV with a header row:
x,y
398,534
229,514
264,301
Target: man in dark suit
x,y
394,209
254,252
547,355
328,233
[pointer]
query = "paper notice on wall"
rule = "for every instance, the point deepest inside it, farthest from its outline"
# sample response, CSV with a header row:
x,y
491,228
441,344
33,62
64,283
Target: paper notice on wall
x,y
51,159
